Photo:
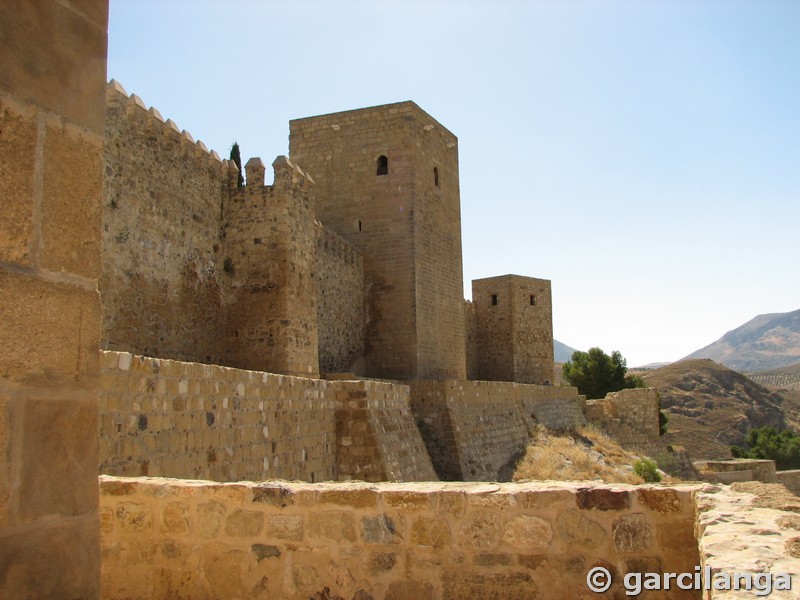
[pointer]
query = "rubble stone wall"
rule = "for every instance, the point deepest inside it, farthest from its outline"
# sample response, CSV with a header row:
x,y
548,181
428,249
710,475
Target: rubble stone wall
x,y
164,539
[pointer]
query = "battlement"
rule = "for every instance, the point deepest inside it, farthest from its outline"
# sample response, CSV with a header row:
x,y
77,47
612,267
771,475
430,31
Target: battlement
x,y
135,108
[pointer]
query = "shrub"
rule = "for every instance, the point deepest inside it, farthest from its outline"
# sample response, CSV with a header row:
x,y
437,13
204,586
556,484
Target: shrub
x,y
647,469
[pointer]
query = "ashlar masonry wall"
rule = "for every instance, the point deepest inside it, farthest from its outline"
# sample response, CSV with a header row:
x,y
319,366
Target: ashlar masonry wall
x,y
174,419
476,430
192,539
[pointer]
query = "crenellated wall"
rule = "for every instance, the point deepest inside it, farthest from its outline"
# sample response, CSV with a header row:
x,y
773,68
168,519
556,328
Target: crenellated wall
x,y
162,273
270,298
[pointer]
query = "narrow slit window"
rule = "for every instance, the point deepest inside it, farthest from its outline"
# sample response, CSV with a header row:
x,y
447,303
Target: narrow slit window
x,y
383,165
533,300
436,176
359,228
494,299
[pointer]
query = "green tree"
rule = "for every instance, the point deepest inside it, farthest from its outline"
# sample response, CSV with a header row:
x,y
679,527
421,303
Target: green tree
x,y
595,373
766,442
236,157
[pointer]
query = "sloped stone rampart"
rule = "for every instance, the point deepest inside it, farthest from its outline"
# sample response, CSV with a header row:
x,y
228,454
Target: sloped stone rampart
x,y
168,418
192,539
475,430
631,417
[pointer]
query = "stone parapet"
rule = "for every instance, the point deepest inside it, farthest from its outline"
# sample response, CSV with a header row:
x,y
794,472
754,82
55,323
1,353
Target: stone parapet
x,y
193,539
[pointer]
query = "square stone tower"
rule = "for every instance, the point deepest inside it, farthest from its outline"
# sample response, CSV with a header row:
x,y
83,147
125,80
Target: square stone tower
x,y
514,329
387,181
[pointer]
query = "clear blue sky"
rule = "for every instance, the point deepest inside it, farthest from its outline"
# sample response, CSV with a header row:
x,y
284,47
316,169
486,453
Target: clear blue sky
x,y
644,156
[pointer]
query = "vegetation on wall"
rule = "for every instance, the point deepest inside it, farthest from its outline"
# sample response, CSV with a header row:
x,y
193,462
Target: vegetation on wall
x,y
236,157
767,443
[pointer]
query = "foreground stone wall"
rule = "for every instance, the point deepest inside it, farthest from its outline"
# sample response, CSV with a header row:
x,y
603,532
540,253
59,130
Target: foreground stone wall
x,y
52,79
174,419
166,539
476,430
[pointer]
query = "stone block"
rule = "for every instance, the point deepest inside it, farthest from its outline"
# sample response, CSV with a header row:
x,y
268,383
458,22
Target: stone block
x,y
285,527
71,198
332,526
356,498
50,331
480,530
528,533
53,560
411,590
17,164
458,585
380,529
631,533
660,500
175,518
578,531
602,499
60,58
434,532
58,474
244,523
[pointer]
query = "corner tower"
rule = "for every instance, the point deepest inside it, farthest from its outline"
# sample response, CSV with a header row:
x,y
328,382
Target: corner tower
x,y
513,329
387,181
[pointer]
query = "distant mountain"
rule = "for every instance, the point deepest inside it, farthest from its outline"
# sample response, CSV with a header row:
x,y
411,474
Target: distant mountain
x,y
766,342
563,352
711,407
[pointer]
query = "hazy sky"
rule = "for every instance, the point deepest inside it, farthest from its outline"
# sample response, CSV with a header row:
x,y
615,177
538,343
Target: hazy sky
x,y
644,156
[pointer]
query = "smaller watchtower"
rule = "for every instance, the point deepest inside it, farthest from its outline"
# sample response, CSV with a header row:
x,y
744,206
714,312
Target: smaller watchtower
x,y
513,329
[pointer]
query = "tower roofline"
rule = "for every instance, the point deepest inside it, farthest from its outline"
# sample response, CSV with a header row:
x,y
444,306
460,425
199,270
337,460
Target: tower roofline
x,y
376,108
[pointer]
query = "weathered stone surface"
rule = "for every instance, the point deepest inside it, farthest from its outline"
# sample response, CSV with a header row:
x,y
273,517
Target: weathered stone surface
x,y
380,529
274,495
631,533
660,500
433,532
602,499
285,527
244,523
209,518
410,590
579,531
676,535
492,559
458,585
304,576
528,533
175,518
407,500
360,498
332,526
379,562
263,551
133,516
481,529
17,164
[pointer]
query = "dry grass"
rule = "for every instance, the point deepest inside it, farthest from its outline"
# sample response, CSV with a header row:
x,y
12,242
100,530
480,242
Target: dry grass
x,y
585,456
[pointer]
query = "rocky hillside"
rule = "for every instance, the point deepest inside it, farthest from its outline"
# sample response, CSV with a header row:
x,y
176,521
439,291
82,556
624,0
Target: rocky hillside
x,y
711,407
766,342
785,378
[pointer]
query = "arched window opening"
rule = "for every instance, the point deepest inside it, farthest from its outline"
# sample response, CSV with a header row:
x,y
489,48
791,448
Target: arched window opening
x,y
436,176
383,165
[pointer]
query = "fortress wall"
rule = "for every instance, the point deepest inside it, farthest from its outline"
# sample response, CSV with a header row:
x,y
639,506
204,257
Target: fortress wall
x,y
376,438
194,539
163,195
475,430
340,304
471,340
790,479
630,417
270,260
174,419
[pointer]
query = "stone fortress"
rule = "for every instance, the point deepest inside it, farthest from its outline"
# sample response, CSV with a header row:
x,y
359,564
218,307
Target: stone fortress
x,y
121,232
341,279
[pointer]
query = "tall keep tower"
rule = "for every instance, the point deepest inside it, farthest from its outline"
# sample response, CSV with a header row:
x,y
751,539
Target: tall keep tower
x,y
387,181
